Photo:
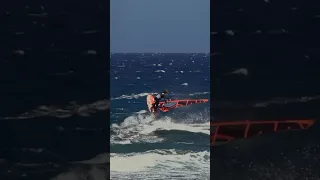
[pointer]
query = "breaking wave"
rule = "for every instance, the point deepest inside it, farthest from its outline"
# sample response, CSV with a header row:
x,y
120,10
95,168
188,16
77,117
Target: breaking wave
x,y
93,169
161,164
140,128
64,112
144,94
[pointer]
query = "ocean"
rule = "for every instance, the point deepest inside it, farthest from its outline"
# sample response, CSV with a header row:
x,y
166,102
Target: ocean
x,y
176,144
54,125
54,91
265,59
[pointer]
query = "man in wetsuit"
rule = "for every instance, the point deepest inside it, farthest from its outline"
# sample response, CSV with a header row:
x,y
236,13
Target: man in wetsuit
x,y
158,97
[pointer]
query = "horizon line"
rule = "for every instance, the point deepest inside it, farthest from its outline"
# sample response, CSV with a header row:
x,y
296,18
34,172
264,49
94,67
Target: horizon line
x,y
161,52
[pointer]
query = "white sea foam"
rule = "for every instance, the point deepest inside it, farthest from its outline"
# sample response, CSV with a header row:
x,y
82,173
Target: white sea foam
x,y
132,96
142,112
144,94
73,108
198,93
161,164
140,128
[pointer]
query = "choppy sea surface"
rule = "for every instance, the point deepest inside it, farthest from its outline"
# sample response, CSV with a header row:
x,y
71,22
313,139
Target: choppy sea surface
x,y
176,144
53,124
54,91
265,67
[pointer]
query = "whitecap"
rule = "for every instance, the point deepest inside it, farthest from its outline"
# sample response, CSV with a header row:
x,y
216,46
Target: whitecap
x,y
162,71
242,71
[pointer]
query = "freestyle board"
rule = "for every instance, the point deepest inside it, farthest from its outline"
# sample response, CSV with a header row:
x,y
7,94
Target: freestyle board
x,y
172,104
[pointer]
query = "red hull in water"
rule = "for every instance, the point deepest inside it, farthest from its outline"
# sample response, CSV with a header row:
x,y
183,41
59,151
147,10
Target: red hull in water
x,y
223,132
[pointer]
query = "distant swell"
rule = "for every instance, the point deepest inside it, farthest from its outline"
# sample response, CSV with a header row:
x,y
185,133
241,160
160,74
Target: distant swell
x,y
144,94
132,96
64,112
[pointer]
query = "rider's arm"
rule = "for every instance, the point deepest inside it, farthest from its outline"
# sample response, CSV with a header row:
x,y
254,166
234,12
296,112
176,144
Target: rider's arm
x,y
165,98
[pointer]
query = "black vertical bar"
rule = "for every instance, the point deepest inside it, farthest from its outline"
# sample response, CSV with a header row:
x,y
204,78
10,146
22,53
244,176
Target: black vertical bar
x,y
54,88
264,67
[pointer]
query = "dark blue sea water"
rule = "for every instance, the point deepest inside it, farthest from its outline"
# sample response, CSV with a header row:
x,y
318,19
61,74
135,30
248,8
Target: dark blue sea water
x,y
265,59
176,144
50,128
54,90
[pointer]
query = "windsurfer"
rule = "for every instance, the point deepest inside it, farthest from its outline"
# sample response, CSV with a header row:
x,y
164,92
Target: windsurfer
x,y
158,97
